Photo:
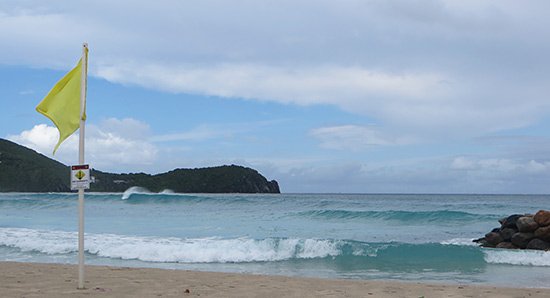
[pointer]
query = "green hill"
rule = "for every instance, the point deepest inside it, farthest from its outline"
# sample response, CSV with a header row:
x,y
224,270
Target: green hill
x,y
25,170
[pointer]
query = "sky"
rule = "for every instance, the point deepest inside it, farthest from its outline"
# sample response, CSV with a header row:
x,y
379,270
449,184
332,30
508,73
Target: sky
x,y
366,96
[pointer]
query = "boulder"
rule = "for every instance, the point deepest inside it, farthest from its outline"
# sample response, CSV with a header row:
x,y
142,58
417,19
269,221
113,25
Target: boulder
x,y
482,242
538,244
507,234
526,224
543,233
510,221
493,238
508,245
520,231
543,218
522,239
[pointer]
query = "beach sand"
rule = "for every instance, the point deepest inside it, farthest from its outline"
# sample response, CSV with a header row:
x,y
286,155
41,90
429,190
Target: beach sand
x,y
55,280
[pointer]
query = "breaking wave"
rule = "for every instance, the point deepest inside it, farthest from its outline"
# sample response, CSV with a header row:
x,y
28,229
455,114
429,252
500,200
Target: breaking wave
x,y
238,250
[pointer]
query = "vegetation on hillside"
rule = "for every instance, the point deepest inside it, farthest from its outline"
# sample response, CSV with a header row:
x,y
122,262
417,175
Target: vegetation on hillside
x,y
25,170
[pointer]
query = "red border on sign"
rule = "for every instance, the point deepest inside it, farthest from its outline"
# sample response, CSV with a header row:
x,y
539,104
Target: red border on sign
x,y
80,167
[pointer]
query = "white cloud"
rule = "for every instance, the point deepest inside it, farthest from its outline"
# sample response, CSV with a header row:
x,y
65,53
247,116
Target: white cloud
x,y
304,85
432,68
354,137
200,133
26,92
114,143
127,127
463,163
205,132
500,166
428,175
41,138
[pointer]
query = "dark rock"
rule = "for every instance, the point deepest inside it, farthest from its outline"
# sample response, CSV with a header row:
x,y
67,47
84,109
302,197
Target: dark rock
x,y
538,244
522,239
482,242
493,238
510,221
543,233
507,234
496,230
543,218
526,224
508,245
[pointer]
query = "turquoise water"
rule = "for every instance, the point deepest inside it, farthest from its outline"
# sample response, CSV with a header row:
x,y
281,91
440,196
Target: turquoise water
x,y
357,236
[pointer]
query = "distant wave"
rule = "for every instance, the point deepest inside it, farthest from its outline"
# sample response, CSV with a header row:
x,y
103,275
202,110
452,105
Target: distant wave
x,y
408,216
134,190
134,195
37,201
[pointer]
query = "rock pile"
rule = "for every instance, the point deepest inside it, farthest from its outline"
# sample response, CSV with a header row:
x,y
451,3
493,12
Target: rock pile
x,y
525,231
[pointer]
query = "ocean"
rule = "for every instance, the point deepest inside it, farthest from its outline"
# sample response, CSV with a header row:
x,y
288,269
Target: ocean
x,y
405,237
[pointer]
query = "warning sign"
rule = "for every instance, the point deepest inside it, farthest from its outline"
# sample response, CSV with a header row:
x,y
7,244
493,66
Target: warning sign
x,y
80,177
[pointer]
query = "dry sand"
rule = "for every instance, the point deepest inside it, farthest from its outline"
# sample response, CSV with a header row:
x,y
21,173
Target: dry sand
x,y
54,280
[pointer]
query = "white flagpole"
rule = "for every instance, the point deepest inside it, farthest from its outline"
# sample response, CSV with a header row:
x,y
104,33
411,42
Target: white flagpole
x,y
81,161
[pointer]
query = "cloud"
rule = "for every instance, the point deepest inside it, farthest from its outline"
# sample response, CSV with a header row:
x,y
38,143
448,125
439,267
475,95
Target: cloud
x,y
206,132
354,137
26,92
41,138
115,143
427,175
306,85
434,69
500,166
129,128
199,133
463,163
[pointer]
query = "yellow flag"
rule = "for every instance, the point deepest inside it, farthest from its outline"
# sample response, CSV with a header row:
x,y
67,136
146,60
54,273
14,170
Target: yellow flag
x,y
62,104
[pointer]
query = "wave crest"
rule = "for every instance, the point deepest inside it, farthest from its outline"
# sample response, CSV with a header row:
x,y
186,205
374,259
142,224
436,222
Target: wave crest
x,y
398,215
344,253
135,190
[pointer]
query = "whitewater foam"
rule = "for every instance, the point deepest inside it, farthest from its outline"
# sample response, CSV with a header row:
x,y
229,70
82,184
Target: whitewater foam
x,y
47,242
517,257
460,242
158,249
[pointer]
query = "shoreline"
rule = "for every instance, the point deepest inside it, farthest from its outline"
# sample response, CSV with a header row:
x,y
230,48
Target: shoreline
x,y
57,280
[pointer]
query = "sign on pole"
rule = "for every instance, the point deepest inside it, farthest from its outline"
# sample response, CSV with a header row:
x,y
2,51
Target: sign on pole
x,y
80,177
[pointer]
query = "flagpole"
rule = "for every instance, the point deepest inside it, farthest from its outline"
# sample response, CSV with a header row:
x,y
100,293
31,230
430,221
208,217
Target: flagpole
x,y
81,161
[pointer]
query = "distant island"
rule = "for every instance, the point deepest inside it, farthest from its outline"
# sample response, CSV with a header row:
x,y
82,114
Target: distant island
x,y
25,170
